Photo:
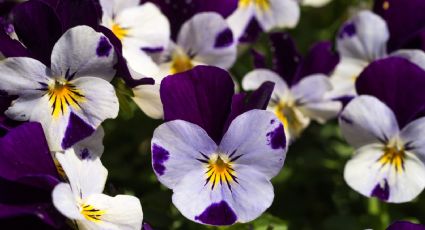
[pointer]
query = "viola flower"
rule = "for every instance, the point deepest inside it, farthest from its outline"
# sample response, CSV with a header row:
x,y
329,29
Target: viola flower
x,y
385,126
269,14
405,225
82,200
362,40
70,99
301,85
203,40
211,153
315,3
142,30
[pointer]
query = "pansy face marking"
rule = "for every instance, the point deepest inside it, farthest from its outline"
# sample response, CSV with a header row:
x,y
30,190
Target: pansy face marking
x,y
91,213
180,61
219,169
63,94
119,31
263,5
394,157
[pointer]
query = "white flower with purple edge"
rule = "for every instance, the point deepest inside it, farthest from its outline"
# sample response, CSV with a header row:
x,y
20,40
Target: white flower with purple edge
x,y
386,132
216,178
71,98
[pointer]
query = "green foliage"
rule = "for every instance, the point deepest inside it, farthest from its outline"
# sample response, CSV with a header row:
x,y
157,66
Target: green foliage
x,y
310,192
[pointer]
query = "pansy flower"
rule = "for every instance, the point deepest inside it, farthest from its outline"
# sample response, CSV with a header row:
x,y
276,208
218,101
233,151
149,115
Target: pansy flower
x,y
141,29
385,126
216,157
362,40
203,40
71,98
82,200
301,84
269,14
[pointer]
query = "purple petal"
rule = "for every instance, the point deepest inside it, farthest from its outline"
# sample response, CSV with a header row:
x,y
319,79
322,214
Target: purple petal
x,y
252,32
78,12
202,96
405,225
286,58
146,226
76,131
242,102
398,83
259,60
218,214
320,59
10,47
24,152
404,19
179,11
38,27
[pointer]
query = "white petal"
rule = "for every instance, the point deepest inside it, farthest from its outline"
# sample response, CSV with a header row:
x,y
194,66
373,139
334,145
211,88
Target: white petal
x,y
367,120
344,77
258,137
415,56
23,76
322,111
122,212
364,37
176,146
65,201
365,174
199,36
139,62
149,101
92,146
147,27
315,3
86,176
100,101
83,52
240,19
280,14
413,135
254,79
113,7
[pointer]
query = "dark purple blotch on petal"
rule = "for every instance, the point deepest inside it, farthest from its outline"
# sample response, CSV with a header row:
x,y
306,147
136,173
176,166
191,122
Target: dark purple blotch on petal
x,y
382,193
405,225
103,47
152,50
76,131
217,214
276,138
347,30
159,157
224,39
84,154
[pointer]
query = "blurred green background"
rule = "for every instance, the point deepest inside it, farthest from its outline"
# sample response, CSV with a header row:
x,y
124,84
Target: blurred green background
x,y
310,192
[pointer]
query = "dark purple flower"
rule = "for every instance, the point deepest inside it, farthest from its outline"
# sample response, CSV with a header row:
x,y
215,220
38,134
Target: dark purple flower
x,y
205,96
290,65
27,177
405,225
405,20
398,83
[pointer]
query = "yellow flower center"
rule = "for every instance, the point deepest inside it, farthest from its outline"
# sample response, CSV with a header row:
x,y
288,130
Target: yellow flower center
x,y
394,157
92,214
119,31
219,170
63,94
286,113
263,5
180,62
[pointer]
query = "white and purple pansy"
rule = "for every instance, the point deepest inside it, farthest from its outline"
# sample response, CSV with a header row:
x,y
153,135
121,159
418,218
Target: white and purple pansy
x,y
205,39
301,84
82,200
142,29
211,157
382,124
362,40
269,14
72,97
405,225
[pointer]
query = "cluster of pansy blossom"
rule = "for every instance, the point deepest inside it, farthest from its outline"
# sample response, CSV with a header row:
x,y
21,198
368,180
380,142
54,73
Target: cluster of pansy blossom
x,y
217,149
